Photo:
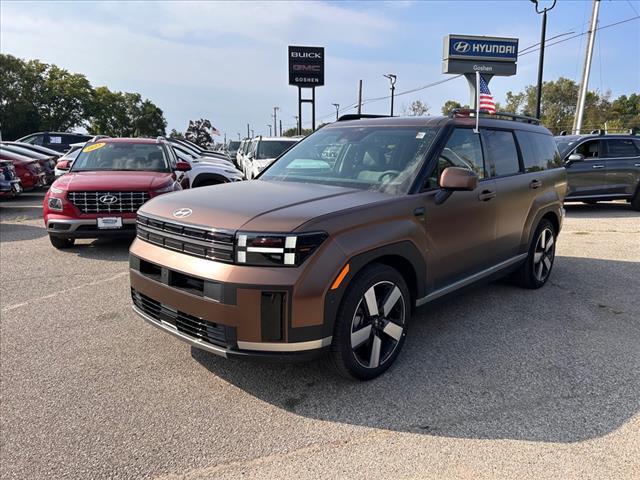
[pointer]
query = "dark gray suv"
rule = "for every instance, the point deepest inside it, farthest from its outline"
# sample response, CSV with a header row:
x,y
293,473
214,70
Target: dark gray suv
x,y
602,167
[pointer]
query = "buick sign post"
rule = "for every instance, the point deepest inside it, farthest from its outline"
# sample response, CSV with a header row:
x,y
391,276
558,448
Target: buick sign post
x,y
306,70
489,56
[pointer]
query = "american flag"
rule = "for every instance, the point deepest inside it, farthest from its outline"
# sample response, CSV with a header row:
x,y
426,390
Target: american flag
x,y
486,99
215,131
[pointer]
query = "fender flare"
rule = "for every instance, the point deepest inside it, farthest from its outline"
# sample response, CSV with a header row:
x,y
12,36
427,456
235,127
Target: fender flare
x,y
205,177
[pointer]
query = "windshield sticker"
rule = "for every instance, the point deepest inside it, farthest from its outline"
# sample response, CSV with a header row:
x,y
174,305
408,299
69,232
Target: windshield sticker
x,y
93,147
420,135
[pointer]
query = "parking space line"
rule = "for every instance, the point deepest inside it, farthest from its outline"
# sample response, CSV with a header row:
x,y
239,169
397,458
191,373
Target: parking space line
x,y
61,292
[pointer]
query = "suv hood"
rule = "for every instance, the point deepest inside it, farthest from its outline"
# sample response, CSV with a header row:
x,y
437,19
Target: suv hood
x,y
258,205
113,180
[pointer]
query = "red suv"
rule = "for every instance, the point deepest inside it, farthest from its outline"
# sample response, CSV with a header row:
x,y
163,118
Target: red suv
x,y
108,182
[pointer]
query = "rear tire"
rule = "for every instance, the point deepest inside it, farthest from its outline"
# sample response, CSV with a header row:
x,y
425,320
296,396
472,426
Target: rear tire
x,y
536,269
635,202
61,243
371,324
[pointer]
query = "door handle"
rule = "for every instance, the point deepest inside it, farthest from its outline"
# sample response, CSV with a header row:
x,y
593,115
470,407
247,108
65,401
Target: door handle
x,y
636,164
486,195
598,166
535,184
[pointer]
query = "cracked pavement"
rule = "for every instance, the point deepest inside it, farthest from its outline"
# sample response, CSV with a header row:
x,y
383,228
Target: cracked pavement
x,y
494,382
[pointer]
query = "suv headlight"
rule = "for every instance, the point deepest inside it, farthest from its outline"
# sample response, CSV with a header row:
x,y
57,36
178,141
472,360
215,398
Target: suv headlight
x,y
276,249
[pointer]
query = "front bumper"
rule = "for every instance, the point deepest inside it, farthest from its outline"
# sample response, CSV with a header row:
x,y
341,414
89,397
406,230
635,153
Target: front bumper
x,y
230,310
233,352
87,228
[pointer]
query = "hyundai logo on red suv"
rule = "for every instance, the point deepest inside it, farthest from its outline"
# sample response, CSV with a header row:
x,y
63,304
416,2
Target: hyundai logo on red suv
x,y
108,199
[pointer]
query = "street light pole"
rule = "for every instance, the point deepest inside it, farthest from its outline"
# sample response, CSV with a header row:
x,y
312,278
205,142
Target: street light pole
x,y
392,79
337,105
269,125
275,120
543,35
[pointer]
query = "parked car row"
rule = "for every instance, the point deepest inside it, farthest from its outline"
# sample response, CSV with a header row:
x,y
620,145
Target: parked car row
x,y
260,152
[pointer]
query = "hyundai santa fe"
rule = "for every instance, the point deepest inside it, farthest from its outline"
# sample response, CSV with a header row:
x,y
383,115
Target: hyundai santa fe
x,y
331,249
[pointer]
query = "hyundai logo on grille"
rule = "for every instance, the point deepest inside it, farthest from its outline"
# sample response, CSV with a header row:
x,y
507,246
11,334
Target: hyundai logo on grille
x,y
182,212
462,47
108,199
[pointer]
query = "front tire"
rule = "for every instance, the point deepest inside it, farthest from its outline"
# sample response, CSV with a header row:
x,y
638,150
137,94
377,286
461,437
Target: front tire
x,y
535,271
61,243
371,324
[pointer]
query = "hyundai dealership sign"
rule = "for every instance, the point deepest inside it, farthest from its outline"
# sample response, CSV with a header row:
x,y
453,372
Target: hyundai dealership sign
x,y
487,55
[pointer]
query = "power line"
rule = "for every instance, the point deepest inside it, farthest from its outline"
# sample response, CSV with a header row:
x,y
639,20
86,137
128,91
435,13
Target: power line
x,y
527,51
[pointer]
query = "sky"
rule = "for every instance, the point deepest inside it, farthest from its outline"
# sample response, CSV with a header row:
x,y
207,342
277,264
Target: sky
x,y
227,61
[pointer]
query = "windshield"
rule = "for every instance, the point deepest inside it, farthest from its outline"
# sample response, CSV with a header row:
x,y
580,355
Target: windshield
x,y
272,148
384,159
122,156
565,144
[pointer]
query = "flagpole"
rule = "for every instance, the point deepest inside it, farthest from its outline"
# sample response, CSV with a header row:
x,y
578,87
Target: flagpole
x,y
477,129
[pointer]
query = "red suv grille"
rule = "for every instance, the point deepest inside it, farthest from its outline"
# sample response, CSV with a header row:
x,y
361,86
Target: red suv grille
x,y
108,202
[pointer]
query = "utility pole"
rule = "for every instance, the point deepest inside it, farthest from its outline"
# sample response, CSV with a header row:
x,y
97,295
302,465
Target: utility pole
x,y
269,125
239,137
280,127
392,79
337,105
252,133
298,126
248,130
582,93
360,98
543,35
275,120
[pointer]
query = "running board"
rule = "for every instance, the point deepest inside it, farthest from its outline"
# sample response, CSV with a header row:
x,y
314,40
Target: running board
x,y
469,280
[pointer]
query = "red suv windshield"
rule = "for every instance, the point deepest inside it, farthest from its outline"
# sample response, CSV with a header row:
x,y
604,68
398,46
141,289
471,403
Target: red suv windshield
x,y
122,157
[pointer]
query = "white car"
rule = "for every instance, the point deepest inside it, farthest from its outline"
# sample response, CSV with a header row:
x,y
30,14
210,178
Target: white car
x,y
207,170
263,151
67,159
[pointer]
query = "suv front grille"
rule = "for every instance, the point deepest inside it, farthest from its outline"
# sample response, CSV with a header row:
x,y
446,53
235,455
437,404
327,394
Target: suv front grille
x,y
102,202
199,242
188,324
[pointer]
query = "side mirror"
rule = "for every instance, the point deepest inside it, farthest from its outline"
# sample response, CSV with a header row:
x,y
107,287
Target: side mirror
x,y
183,167
63,165
456,178
575,157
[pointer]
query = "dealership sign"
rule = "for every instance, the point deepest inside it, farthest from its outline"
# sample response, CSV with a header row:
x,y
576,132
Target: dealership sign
x,y
487,55
306,66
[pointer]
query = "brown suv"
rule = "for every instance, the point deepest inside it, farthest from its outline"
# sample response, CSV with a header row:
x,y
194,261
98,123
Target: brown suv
x,y
336,243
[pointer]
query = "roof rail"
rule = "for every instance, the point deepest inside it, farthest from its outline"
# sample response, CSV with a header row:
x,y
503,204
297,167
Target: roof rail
x,y
358,116
597,132
563,133
467,112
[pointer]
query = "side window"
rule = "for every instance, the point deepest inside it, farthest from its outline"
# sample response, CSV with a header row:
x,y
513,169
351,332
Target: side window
x,y
463,149
589,149
539,151
621,148
501,152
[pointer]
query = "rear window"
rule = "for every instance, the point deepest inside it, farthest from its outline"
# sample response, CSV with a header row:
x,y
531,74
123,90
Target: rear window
x,y
122,157
272,149
621,148
539,151
502,152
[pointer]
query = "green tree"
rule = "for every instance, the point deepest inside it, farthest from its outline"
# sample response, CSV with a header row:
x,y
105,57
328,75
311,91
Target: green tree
x,y
122,114
293,131
199,132
176,134
37,96
624,113
450,105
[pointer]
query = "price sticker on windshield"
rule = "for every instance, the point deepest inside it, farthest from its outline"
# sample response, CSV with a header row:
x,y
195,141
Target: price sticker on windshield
x,y
93,147
420,135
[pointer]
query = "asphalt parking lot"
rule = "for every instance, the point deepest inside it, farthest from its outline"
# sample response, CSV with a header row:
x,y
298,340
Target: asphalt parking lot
x,y
496,382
